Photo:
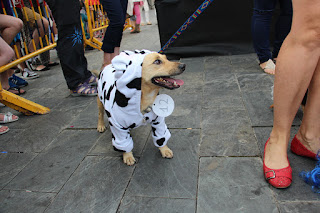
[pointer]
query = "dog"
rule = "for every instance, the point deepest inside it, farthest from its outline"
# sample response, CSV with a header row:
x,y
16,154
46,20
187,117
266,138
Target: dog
x,y
127,89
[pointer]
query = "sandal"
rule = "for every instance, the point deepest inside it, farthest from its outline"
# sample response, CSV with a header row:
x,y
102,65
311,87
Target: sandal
x,y
3,129
84,89
269,66
51,64
8,118
16,91
92,81
45,68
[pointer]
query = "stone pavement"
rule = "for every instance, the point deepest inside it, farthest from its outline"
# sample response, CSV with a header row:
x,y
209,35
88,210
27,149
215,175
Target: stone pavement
x,y
59,163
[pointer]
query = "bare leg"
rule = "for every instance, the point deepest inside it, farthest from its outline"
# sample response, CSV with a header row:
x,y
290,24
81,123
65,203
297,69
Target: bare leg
x,y
38,32
9,27
107,57
309,132
296,65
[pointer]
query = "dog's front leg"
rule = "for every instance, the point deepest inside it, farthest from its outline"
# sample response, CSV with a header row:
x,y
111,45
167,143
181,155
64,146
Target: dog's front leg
x,y
101,126
128,158
166,152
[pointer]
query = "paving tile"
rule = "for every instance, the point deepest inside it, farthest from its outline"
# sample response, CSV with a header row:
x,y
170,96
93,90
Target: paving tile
x,y
75,105
156,205
213,99
299,190
213,61
226,82
193,65
39,134
12,164
187,112
297,207
254,82
46,84
215,117
22,201
258,106
155,176
213,72
241,191
97,185
227,132
88,118
9,137
51,168
244,61
104,145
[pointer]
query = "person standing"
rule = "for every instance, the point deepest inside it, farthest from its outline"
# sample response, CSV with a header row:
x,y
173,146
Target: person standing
x,y
298,69
116,11
70,49
261,25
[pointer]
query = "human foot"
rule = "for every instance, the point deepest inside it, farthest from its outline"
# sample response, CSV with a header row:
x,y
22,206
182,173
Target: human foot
x,y
278,178
3,129
7,118
304,146
275,154
268,67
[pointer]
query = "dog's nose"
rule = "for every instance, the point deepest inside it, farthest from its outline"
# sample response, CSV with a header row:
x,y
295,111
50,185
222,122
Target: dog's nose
x,y
182,66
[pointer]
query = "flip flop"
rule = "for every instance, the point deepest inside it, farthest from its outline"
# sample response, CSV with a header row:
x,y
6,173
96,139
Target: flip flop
x,y
16,91
3,129
269,66
8,118
45,68
51,64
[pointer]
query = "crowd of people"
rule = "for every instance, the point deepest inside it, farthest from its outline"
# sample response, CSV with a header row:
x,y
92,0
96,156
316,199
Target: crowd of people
x,y
64,26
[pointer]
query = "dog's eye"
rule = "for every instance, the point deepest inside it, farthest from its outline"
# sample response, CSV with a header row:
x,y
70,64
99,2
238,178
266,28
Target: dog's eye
x,y
157,61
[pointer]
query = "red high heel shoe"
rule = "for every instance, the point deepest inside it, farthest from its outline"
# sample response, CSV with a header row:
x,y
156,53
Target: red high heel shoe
x,y
278,178
299,149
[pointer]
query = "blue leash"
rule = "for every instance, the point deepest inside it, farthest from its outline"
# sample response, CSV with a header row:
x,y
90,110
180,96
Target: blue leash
x,y
189,21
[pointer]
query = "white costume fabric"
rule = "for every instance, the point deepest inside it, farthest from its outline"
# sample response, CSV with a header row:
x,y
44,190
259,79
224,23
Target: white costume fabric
x,y
119,90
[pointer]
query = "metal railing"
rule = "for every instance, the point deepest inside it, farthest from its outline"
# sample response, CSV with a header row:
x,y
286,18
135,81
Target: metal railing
x,y
7,98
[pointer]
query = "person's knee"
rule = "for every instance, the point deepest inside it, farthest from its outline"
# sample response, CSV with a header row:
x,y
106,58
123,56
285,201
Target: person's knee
x,y
315,37
311,38
9,54
45,23
17,24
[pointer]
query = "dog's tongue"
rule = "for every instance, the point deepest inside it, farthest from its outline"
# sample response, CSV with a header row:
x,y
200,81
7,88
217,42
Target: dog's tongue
x,y
172,80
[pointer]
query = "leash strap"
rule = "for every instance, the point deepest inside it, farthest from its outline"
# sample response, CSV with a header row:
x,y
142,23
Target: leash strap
x,y
189,21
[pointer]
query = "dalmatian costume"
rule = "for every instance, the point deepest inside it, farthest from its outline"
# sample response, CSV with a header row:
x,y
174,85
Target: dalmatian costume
x,y
119,90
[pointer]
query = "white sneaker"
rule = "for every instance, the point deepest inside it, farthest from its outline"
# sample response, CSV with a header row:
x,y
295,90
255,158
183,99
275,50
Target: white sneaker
x,y
28,74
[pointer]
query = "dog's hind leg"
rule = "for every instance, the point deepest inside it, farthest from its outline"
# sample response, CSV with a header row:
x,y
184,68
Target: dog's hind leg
x,y
101,125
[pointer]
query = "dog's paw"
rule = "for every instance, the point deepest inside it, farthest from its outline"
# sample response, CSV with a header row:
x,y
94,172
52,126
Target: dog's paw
x,y
128,158
166,152
101,128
